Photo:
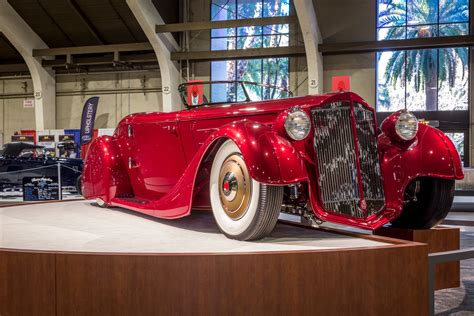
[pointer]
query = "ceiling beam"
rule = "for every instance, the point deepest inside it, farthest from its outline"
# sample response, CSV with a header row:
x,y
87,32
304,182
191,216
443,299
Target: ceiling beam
x,y
240,53
55,23
14,68
207,25
391,45
96,49
101,60
86,21
122,20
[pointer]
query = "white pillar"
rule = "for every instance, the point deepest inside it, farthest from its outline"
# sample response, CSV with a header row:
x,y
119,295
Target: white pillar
x,y
312,37
24,39
163,44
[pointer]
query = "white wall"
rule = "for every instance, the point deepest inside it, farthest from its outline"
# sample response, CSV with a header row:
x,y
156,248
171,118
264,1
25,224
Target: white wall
x,y
13,115
120,94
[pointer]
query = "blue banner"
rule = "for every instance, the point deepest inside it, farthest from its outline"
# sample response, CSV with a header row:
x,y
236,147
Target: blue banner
x,y
87,121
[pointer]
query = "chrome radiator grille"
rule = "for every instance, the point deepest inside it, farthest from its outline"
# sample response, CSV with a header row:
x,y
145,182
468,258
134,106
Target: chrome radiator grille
x,y
350,180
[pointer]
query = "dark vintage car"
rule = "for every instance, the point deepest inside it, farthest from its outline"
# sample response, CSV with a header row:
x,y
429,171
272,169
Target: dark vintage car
x,y
20,160
319,156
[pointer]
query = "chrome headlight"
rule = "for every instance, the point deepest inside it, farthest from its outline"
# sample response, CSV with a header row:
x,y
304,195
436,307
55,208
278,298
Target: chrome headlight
x,y
297,124
406,126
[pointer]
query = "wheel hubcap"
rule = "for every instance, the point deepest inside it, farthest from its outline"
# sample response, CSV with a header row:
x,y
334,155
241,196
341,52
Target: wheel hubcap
x,y
235,187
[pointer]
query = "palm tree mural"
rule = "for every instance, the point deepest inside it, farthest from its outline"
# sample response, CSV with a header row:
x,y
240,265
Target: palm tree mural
x,y
425,69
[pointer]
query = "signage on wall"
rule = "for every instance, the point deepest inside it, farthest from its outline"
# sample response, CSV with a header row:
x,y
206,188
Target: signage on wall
x,y
66,138
23,138
40,188
87,121
341,83
46,138
29,103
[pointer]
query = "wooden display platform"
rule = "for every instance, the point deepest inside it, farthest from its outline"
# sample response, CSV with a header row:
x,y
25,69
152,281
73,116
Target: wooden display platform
x,y
389,280
112,262
439,239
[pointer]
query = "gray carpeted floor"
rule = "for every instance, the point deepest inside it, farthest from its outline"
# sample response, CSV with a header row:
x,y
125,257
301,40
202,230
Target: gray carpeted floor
x,y
459,301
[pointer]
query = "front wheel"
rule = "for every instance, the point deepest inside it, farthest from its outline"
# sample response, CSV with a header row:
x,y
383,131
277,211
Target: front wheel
x,y
430,200
244,209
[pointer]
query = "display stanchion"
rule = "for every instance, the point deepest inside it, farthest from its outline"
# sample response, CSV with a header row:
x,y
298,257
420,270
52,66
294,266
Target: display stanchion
x,y
59,182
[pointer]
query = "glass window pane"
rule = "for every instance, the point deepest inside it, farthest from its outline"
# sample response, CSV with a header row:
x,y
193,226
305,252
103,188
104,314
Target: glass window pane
x,y
276,8
422,31
453,79
422,80
223,43
276,29
454,29
453,11
249,42
422,12
458,140
222,71
275,72
426,80
222,10
249,70
249,30
275,41
390,81
248,9
391,33
391,13
223,32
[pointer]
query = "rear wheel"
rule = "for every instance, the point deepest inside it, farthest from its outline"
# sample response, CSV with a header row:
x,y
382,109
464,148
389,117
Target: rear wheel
x,y
430,200
244,209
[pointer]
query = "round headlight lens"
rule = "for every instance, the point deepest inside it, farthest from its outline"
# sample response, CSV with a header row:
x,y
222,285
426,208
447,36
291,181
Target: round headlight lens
x,y
406,126
297,124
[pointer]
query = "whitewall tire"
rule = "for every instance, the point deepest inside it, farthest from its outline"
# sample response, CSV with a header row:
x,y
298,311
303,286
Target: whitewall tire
x,y
244,209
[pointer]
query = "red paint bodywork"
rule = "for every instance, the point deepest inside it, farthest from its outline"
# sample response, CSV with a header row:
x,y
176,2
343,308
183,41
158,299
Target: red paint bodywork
x,y
159,163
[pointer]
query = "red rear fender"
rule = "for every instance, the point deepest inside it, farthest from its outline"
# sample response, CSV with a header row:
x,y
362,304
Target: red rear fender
x,y
105,175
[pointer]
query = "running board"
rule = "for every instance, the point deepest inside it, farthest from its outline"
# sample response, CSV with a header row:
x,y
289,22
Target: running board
x,y
134,204
132,200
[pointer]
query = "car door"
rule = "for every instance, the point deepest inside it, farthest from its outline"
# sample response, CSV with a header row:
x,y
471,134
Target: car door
x,y
157,159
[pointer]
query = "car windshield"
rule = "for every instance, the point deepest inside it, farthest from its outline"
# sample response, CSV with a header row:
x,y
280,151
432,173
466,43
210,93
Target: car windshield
x,y
198,93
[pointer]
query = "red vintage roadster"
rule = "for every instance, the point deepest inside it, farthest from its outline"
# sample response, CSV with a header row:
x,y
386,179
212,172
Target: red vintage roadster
x,y
322,157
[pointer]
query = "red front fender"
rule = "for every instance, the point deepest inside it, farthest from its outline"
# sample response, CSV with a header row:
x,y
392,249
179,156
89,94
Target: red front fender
x,y
271,158
432,154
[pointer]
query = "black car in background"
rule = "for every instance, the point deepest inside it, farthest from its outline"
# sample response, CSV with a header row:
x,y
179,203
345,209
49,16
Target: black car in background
x,y
20,160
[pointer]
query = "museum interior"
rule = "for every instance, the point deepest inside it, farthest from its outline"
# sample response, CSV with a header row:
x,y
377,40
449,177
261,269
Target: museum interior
x,y
236,157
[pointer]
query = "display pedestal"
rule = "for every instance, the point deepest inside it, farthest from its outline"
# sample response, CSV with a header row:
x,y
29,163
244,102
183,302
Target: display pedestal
x,y
113,262
438,239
